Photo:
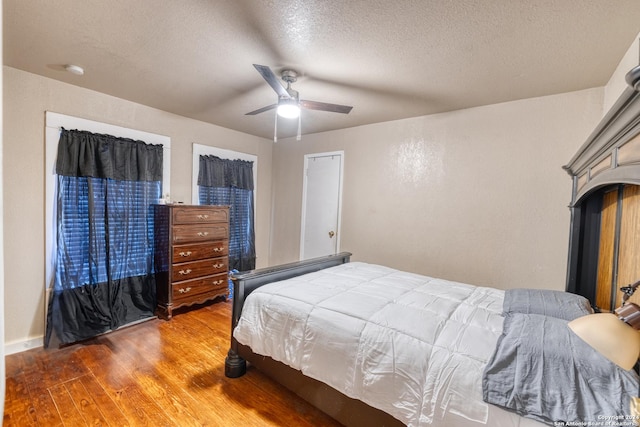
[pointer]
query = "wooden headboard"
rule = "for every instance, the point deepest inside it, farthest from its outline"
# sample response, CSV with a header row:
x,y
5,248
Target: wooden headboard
x,y
605,203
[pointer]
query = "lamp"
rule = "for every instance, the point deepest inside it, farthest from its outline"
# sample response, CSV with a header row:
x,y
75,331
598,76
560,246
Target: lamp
x,y
288,108
615,336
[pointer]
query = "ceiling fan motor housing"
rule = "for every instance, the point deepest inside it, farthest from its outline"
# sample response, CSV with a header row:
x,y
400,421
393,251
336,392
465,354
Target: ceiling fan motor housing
x,y
289,76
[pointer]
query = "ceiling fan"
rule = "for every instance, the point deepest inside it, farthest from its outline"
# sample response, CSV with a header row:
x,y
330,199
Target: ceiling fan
x,y
289,102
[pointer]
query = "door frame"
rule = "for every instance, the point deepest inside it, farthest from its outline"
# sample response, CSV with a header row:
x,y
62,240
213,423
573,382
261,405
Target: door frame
x,y
303,218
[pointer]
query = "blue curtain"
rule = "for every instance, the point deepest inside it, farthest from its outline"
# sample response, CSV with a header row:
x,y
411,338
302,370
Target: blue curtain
x,y
104,261
230,182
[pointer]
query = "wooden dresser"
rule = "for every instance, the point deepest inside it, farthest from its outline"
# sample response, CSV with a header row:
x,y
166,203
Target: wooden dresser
x,y
191,255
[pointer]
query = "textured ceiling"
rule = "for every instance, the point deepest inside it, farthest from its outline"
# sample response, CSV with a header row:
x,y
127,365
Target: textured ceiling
x,y
388,59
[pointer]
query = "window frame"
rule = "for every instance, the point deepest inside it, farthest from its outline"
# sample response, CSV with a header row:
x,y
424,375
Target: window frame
x,y
53,123
208,150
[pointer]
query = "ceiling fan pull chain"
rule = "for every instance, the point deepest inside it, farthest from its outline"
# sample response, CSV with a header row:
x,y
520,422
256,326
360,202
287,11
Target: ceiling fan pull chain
x,y
299,136
275,130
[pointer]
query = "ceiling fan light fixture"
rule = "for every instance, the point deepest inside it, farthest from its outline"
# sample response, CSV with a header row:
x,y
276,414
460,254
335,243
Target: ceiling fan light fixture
x,y
288,108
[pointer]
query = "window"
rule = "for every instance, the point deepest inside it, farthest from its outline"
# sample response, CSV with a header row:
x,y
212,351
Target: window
x,y
85,204
228,178
56,121
100,227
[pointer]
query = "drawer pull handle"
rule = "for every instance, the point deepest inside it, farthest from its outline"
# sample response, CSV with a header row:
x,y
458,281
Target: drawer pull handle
x,y
183,272
184,290
203,216
185,254
218,282
203,233
218,265
218,249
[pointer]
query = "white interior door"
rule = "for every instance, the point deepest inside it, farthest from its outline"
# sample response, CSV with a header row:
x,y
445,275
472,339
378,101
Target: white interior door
x,y
321,201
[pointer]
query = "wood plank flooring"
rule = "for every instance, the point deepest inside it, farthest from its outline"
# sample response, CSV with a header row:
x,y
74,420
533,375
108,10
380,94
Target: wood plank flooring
x,y
157,373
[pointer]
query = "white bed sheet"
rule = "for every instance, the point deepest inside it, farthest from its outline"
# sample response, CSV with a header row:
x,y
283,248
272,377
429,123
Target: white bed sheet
x,y
410,345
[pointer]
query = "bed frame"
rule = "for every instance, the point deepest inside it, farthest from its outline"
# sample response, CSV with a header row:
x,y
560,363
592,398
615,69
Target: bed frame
x,y
350,412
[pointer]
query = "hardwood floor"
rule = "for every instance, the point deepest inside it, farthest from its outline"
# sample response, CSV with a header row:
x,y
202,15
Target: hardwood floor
x,y
156,373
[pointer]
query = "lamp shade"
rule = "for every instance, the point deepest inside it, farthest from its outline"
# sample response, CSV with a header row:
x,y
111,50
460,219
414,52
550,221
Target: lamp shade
x,y
610,336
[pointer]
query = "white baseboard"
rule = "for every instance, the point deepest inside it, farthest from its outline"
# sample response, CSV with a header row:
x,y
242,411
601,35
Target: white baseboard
x,y
20,346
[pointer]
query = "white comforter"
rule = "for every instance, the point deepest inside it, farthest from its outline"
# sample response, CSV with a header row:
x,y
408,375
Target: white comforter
x,y
410,345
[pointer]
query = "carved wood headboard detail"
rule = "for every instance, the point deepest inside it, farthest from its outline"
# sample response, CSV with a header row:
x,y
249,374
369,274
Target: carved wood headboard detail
x,y
608,159
611,154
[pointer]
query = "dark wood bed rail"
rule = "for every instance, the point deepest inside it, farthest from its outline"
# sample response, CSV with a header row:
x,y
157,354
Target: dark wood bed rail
x,y
246,282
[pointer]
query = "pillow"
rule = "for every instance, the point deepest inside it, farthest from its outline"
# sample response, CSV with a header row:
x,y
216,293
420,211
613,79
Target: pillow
x,y
563,305
542,370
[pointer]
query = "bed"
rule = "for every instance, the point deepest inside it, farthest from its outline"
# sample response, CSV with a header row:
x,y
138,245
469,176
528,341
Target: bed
x,y
420,351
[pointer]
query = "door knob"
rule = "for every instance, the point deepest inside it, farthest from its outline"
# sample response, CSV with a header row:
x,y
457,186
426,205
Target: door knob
x,y
331,234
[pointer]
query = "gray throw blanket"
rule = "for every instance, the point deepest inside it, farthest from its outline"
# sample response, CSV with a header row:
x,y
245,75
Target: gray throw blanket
x,y
542,370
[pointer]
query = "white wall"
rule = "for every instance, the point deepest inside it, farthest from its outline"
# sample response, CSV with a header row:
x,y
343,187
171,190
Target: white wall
x,y
26,98
476,195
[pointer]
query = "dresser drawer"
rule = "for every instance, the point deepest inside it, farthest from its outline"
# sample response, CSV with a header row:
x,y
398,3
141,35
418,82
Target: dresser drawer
x,y
198,215
185,253
191,270
199,232
185,290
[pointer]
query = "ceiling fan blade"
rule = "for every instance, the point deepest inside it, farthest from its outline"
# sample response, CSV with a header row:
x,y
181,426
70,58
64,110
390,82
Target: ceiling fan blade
x,y
323,106
272,79
261,110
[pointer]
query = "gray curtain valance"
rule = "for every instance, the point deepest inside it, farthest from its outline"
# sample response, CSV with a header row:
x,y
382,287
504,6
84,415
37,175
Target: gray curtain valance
x,y
217,172
86,154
